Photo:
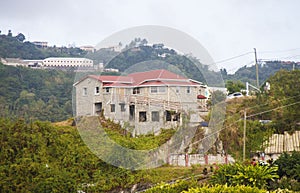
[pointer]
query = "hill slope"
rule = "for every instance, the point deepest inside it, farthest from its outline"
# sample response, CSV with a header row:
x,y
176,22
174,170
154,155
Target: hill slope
x,y
35,94
280,105
266,69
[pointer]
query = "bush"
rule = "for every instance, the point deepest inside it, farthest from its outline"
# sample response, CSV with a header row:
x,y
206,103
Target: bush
x,y
225,188
176,187
248,175
289,165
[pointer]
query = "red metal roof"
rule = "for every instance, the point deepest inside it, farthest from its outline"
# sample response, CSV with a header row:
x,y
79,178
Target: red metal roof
x,y
140,77
149,78
112,78
168,83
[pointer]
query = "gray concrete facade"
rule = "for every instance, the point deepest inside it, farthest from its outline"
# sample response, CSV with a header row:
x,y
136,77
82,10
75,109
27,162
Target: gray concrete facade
x,y
142,108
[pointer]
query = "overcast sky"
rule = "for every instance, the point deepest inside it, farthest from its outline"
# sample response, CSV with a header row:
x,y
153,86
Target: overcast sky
x,y
225,28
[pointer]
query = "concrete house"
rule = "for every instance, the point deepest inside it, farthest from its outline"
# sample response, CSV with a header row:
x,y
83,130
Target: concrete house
x,y
147,101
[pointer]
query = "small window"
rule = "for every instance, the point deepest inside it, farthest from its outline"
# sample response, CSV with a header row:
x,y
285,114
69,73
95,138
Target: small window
x,y
136,91
97,90
98,108
122,105
154,89
143,116
155,116
84,91
168,116
112,107
188,90
107,90
177,89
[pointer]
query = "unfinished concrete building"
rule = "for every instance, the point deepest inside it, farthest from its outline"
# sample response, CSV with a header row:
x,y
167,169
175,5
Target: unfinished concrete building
x,y
146,101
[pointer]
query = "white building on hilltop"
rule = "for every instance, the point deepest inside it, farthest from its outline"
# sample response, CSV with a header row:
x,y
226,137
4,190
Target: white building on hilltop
x,y
67,62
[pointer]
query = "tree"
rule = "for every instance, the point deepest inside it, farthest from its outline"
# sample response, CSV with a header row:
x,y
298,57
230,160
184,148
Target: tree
x,y
9,33
234,86
20,37
224,72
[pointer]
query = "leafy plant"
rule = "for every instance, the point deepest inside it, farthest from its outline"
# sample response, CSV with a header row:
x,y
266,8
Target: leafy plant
x,y
249,175
289,165
176,187
225,188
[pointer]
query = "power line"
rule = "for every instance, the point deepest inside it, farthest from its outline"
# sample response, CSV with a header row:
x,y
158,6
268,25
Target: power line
x,y
231,58
211,134
280,58
278,51
214,133
270,102
272,109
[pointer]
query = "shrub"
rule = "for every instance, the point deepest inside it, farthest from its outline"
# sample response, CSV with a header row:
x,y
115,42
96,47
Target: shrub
x,y
176,187
248,175
225,188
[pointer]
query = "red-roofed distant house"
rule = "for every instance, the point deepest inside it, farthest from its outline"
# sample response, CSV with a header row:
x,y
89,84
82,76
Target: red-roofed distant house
x,y
148,101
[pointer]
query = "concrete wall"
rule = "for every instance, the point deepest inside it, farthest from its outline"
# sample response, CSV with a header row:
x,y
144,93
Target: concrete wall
x,y
85,104
193,159
175,99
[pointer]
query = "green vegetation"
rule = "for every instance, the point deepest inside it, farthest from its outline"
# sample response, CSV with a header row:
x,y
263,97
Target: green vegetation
x,y
35,94
289,171
178,186
239,178
193,187
141,142
248,175
279,104
234,86
15,47
141,57
225,188
266,69
42,157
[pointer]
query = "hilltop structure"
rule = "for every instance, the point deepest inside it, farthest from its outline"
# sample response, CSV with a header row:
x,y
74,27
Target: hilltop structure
x,y
52,62
148,101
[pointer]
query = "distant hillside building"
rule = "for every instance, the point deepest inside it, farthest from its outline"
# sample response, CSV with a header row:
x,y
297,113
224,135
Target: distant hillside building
x,y
14,62
88,48
55,62
148,101
40,44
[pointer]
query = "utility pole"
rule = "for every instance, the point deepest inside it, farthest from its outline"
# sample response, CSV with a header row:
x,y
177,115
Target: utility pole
x,y
293,66
257,79
244,136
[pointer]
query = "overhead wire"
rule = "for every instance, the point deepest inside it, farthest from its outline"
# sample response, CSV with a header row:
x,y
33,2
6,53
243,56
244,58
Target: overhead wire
x,y
238,56
228,126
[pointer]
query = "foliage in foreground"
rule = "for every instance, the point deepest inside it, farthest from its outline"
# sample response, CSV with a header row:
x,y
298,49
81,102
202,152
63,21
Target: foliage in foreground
x,y
193,187
41,157
176,187
248,175
289,171
225,188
